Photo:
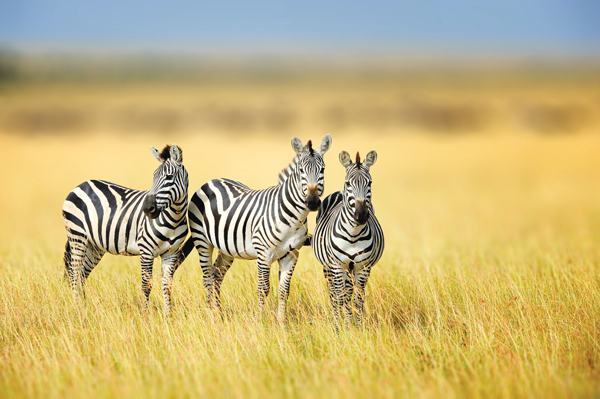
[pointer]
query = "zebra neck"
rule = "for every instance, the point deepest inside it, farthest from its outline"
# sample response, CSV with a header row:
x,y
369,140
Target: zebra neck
x,y
179,207
293,198
175,214
345,220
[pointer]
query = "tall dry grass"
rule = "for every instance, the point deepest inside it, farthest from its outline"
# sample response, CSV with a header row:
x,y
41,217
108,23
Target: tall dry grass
x,y
489,285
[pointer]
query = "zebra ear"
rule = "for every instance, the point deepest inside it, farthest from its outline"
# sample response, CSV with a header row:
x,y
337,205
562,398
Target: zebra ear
x,y
345,159
370,159
325,144
176,153
297,145
156,154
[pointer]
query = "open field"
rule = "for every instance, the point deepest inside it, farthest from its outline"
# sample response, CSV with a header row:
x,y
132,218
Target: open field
x,y
489,285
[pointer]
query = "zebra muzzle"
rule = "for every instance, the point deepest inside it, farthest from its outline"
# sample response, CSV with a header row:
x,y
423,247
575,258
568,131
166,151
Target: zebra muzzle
x,y
361,212
150,207
312,200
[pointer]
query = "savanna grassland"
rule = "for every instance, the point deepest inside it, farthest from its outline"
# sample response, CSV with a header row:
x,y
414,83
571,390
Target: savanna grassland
x,y
489,285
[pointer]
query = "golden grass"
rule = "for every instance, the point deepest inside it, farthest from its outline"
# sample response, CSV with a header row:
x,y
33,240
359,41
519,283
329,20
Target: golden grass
x,y
489,285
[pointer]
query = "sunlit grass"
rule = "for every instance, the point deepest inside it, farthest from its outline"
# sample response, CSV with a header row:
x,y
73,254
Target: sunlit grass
x,y
489,286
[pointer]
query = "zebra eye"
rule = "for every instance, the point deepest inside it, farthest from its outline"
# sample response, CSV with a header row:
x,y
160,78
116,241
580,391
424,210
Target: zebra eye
x,y
169,177
348,184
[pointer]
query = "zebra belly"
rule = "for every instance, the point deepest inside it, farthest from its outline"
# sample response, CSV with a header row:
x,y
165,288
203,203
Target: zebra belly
x,y
346,254
247,254
340,253
126,248
245,247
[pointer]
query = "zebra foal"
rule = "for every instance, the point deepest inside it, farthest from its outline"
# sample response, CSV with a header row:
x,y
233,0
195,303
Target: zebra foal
x,y
348,239
101,217
267,225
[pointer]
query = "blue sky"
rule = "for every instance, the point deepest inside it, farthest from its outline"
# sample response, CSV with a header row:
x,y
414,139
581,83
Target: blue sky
x,y
520,25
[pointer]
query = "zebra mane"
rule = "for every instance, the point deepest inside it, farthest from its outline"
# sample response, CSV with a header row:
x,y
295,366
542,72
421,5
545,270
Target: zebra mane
x,y
166,152
309,147
287,171
357,158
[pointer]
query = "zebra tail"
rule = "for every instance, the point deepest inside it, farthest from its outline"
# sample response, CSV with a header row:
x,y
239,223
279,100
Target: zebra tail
x,y
308,241
184,251
67,260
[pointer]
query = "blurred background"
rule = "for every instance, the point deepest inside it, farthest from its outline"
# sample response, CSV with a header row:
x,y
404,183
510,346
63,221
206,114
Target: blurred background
x,y
466,102
434,67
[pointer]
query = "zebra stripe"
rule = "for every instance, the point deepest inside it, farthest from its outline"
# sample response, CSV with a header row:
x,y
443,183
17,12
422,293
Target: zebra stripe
x,y
102,217
348,239
285,173
267,225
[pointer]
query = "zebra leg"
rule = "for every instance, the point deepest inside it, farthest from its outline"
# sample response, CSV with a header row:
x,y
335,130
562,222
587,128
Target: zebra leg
x,y
220,268
147,260
93,256
361,282
286,269
330,284
348,291
336,294
205,250
208,274
264,287
184,251
76,257
168,264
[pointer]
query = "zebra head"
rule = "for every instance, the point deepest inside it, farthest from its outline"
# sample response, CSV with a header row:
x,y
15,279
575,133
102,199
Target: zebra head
x,y
310,169
357,189
170,181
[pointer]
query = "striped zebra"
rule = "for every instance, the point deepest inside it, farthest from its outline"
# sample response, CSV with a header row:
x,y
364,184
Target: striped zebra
x,y
348,239
102,217
267,225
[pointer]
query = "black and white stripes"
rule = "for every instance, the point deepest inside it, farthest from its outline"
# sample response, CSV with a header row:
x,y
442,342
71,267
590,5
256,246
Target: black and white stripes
x,y
348,239
267,225
102,217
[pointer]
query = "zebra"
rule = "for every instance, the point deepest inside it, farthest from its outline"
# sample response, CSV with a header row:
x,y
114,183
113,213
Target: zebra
x,y
101,217
348,239
267,225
